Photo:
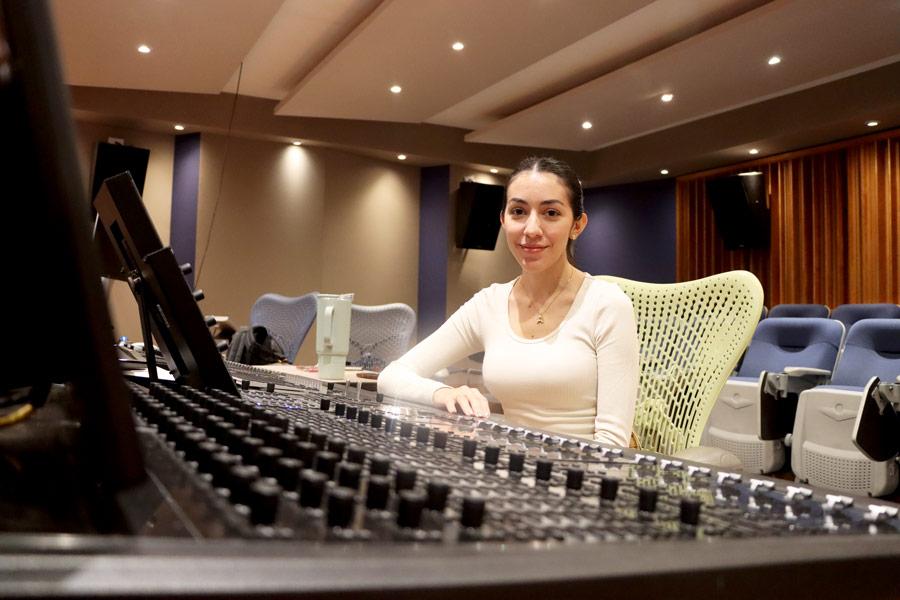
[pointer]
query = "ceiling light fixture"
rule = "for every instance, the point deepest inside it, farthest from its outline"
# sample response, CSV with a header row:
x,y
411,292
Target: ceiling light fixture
x,y
401,157
664,172
667,97
495,170
872,124
396,89
750,173
753,151
774,60
587,125
179,127
458,46
296,142
144,49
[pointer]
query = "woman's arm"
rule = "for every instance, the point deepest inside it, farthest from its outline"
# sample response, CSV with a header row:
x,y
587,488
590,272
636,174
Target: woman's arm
x,y
407,378
617,370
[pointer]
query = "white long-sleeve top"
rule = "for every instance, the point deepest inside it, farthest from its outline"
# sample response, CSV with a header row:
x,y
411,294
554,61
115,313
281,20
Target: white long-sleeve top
x,y
579,380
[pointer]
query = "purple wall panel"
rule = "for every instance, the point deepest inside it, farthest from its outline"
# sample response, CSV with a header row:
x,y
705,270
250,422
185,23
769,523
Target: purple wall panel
x,y
434,224
185,191
630,232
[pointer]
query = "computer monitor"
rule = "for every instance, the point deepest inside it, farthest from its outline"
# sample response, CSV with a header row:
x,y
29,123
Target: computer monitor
x,y
57,328
168,307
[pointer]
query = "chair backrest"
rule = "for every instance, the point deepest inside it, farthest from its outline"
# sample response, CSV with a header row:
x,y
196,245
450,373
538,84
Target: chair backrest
x,y
691,335
872,349
286,319
848,314
379,334
800,310
792,342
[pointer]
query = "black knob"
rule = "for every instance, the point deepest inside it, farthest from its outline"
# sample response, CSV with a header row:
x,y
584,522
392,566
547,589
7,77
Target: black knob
x,y
324,403
351,413
574,478
349,475
325,463
340,507
363,416
390,423
235,440
258,427
287,443
271,434
422,433
472,511
379,487
318,438
491,454
302,432
312,486
468,448
339,408
406,429
409,509
187,269
380,465
241,420
516,462
239,479
306,452
440,439
280,421
355,454
609,488
376,421
337,446
245,384
689,512
249,448
221,346
209,320
437,492
543,469
405,478
263,502
267,458
204,455
221,464
198,295
288,472
192,443
647,499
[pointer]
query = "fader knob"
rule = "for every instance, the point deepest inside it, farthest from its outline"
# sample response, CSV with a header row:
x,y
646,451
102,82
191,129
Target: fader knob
x,y
349,475
198,295
325,463
491,454
647,498
437,492
312,485
378,492
516,462
543,469
340,507
440,439
689,512
409,510
574,478
472,511
381,465
609,488
288,473
469,447
356,454
405,478
263,501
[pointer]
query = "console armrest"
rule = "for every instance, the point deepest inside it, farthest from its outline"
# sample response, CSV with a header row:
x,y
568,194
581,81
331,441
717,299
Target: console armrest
x,y
794,380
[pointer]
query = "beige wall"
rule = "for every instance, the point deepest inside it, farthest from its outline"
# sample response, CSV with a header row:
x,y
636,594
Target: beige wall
x,y
157,198
471,270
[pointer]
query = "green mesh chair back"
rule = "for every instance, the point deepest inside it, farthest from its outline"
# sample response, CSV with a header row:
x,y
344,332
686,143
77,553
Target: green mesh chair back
x,y
691,335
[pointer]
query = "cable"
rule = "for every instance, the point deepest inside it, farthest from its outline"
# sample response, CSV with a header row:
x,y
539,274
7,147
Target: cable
x,y
212,221
17,415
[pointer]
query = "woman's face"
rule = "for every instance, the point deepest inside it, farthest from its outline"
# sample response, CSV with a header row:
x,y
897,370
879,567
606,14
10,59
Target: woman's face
x,y
538,220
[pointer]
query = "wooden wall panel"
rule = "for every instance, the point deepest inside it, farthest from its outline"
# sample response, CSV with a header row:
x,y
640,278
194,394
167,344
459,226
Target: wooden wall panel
x,y
835,234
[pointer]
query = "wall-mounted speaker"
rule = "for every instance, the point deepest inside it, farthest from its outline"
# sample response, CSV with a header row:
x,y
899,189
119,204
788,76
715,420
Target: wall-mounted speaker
x,y
741,210
478,207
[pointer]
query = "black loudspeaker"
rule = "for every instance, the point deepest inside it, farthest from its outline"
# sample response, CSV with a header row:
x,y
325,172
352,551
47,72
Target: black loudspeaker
x,y
740,209
478,207
115,159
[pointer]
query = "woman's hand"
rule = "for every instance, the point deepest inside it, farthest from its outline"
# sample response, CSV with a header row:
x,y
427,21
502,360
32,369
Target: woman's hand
x,y
469,400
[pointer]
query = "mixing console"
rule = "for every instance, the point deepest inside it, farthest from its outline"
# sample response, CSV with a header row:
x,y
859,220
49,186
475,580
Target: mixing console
x,y
315,465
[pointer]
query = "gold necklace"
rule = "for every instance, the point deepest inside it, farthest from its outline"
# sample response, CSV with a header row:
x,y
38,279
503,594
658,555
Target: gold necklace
x,y
540,319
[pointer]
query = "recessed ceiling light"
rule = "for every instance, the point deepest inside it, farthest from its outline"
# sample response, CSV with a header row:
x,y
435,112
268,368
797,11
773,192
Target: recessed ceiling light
x,y
667,97
774,60
401,157
753,151
396,89
872,124
664,172
495,171
458,46
144,49
587,125
179,127
750,173
296,142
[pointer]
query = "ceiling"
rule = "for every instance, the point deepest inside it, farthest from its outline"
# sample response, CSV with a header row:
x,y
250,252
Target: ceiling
x,y
530,74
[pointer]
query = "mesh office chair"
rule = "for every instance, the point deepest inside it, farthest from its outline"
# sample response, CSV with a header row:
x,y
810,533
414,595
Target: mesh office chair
x,y
777,343
822,452
848,314
691,335
820,311
286,319
379,334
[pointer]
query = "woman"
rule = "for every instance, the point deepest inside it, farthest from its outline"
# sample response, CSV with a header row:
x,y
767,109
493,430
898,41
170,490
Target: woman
x,y
560,347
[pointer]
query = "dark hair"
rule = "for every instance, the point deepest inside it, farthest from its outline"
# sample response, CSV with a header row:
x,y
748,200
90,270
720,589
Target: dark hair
x,y
566,175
